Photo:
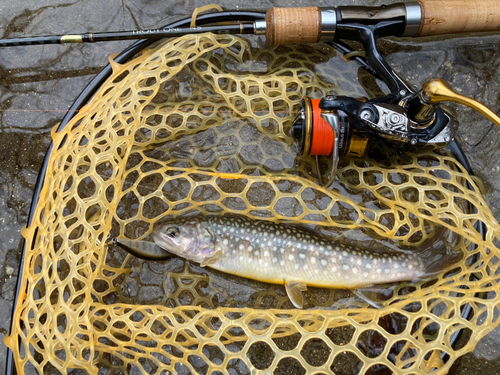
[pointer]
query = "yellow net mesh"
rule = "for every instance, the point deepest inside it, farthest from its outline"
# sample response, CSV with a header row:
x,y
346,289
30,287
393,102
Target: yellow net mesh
x,y
202,125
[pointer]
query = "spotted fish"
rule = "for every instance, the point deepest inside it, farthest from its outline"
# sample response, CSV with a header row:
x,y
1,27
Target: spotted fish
x,y
287,255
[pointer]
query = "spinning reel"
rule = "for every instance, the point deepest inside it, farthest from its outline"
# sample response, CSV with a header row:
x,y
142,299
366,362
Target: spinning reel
x,y
382,128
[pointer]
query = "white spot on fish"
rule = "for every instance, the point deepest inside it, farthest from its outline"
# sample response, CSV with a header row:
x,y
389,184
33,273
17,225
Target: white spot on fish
x,y
250,248
355,271
256,253
302,256
386,270
296,266
345,267
290,257
313,260
329,247
241,247
410,267
225,242
260,261
358,262
305,266
323,262
275,260
282,262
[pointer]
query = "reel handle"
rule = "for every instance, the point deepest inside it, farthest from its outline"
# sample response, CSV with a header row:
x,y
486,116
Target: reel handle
x,y
437,90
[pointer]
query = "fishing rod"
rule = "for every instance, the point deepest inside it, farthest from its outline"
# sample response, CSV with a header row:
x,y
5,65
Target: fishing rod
x,y
384,128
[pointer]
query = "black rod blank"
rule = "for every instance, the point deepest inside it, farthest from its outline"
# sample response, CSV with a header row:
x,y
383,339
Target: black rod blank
x,y
166,32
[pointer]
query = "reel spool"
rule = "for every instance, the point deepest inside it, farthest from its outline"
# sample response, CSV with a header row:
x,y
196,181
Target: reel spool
x,y
326,133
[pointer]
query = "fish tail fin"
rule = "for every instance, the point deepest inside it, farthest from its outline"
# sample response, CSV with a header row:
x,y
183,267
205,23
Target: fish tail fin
x,y
437,253
444,263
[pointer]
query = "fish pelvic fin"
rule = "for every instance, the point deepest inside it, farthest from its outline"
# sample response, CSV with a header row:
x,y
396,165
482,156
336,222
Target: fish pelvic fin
x,y
294,291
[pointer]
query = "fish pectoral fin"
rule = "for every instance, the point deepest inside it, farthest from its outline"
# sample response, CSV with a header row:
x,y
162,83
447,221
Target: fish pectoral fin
x,y
294,290
212,259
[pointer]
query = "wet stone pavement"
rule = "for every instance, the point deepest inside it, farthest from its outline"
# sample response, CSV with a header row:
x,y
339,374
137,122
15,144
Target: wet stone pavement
x,y
38,84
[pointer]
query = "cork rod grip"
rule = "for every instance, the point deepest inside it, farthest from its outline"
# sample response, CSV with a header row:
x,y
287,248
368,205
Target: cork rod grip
x,y
293,25
458,16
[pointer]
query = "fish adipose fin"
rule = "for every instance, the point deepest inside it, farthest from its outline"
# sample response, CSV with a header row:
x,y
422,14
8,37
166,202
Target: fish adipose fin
x,y
294,290
211,260
142,249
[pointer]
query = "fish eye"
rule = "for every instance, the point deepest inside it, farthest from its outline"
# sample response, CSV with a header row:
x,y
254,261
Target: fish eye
x,y
172,232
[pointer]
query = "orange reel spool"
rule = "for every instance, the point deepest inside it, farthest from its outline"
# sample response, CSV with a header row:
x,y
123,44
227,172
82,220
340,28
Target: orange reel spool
x,y
322,137
315,136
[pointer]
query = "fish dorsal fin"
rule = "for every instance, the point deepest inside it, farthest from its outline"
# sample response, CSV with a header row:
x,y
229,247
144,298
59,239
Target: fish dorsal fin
x,y
294,290
212,259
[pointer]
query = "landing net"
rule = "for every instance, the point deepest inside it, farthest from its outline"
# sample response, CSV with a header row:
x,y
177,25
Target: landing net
x,y
201,125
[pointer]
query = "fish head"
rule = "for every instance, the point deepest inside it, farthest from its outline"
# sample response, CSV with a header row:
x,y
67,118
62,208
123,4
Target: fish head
x,y
190,240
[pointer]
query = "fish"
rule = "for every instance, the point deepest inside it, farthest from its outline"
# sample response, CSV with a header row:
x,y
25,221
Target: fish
x,y
288,255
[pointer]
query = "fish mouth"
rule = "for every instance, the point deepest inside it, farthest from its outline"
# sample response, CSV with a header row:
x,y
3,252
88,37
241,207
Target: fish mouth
x,y
165,242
